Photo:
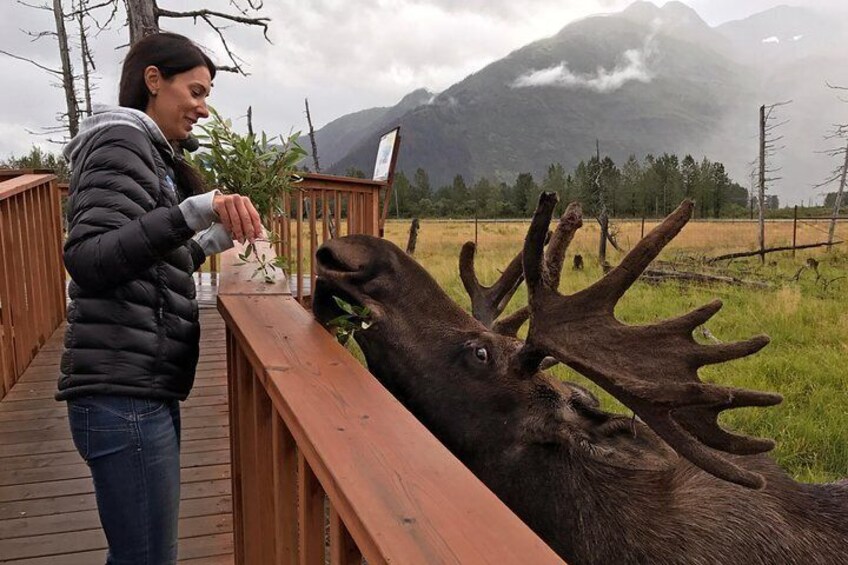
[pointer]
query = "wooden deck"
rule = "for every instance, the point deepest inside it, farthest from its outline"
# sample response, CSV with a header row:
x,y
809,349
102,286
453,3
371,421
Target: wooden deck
x,y
47,508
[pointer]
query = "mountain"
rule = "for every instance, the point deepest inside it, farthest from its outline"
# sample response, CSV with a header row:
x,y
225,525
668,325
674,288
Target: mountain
x,y
335,139
784,35
646,80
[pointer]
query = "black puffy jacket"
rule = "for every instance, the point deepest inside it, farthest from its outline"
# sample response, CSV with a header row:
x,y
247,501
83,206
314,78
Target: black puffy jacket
x,y
133,320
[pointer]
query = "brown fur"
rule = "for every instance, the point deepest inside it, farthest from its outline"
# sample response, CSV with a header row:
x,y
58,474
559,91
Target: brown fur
x,y
599,488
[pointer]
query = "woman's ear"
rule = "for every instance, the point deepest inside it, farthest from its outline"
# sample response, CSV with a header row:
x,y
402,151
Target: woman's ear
x,y
152,79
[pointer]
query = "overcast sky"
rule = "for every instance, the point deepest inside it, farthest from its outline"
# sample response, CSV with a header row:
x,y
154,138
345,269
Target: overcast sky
x,y
344,55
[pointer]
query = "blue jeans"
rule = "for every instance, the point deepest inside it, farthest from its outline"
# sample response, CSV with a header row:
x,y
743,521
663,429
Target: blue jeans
x,y
132,446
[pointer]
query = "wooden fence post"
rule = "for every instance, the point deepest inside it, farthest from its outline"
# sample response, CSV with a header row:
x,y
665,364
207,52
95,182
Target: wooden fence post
x,y
794,230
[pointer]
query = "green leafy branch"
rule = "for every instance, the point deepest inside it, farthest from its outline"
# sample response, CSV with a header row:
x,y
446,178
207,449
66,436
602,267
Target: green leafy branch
x,y
251,165
267,268
355,318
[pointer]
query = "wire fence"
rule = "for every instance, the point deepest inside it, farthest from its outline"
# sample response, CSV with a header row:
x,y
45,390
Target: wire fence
x,y
699,237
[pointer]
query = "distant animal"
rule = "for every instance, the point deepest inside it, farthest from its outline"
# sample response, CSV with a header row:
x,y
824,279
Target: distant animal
x,y
665,486
577,262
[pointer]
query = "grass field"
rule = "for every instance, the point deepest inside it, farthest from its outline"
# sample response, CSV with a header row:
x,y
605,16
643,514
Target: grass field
x,y
807,320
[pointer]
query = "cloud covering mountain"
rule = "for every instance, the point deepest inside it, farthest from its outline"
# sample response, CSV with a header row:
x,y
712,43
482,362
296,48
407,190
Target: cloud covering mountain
x,y
645,80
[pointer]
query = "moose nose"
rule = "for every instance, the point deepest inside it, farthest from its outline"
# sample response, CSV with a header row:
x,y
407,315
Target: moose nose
x,y
353,257
329,260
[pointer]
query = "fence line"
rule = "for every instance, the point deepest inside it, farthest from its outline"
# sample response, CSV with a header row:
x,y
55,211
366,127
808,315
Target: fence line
x,y
32,277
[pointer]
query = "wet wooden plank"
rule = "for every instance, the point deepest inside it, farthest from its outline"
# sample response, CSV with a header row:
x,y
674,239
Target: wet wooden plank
x,y
76,469
211,515
216,539
48,513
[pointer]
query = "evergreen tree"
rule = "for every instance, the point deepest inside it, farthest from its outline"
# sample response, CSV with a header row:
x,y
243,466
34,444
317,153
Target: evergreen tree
x,y
523,192
629,196
554,181
37,158
721,186
608,187
401,188
670,189
689,176
461,202
419,191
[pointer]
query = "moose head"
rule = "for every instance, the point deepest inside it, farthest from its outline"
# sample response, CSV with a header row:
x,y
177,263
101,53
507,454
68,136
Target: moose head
x,y
598,487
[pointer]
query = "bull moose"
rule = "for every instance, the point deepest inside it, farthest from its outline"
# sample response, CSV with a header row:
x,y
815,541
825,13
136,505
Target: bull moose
x,y
665,486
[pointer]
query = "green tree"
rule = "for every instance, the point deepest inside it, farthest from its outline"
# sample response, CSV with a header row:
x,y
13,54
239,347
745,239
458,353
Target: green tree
x,y
721,185
523,192
554,181
630,200
401,189
37,158
689,176
670,188
418,191
461,201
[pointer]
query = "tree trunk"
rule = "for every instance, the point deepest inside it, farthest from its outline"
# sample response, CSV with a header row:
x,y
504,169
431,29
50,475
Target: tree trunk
x,y
413,236
142,19
762,183
312,138
838,204
67,69
602,244
85,55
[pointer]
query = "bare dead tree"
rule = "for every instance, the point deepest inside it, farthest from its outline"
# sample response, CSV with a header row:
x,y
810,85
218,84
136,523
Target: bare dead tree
x,y
331,224
66,78
603,216
837,203
143,17
768,148
839,132
312,137
67,69
86,57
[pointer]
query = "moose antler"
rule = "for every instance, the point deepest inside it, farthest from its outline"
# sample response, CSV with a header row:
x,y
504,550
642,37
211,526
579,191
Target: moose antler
x,y
570,221
652,369
487,302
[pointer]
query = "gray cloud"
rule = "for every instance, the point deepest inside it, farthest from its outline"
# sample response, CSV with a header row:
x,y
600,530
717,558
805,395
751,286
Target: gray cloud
x,y
633,67
343,55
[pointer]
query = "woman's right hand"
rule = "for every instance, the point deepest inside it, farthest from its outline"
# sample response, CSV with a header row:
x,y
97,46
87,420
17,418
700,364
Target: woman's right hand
x,y
239,216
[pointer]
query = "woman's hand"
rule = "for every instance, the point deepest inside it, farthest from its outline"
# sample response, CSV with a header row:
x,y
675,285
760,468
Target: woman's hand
x,y
239,216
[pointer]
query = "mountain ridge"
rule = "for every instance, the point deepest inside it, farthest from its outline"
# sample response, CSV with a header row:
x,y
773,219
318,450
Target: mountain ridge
x,y
646,80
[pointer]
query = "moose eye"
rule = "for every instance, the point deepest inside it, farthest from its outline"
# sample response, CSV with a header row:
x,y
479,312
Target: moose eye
x,y
482,354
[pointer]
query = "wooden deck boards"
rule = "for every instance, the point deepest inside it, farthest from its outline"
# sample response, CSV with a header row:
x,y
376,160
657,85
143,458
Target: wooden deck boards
x,y
47,509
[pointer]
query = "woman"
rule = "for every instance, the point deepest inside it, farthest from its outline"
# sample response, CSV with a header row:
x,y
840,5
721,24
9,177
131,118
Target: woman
x,y
139,226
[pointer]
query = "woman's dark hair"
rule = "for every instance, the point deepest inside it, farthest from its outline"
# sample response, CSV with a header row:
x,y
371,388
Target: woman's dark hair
x,y
172,54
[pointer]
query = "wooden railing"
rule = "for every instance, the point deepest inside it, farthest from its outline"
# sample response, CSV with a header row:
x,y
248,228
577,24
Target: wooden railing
x,y
320,207
309,422
32,278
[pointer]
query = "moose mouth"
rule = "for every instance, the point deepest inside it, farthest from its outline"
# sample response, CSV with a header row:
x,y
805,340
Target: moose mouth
x,y
324,304
339,270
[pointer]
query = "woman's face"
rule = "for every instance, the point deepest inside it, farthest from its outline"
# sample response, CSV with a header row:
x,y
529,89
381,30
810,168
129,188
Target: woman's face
x,y
178,102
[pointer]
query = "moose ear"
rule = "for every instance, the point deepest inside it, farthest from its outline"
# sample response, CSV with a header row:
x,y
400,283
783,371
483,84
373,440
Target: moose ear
x,y
627,444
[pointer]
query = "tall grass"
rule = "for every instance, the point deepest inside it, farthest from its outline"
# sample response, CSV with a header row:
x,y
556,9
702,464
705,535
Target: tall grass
x,y
806,362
